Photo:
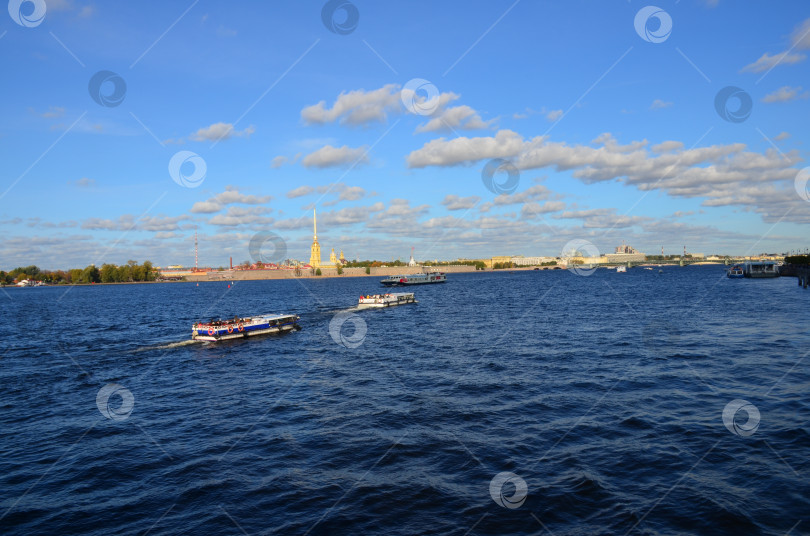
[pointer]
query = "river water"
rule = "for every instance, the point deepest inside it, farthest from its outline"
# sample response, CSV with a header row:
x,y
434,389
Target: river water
x,y
539,402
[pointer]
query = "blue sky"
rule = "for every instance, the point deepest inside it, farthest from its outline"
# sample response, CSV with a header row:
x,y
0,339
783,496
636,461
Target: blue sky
x,y
610,127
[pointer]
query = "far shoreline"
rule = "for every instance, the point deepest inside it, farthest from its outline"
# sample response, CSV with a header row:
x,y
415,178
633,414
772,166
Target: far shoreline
x,y
269,275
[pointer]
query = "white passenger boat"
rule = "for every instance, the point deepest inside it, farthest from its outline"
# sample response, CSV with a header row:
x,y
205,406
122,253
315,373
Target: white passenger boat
x,y
237,328
385,300
414,279
621,269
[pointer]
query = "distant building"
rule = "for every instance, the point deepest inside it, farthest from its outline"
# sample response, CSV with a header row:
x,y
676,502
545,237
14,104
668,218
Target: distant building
x,y
624,254
501,259
520,260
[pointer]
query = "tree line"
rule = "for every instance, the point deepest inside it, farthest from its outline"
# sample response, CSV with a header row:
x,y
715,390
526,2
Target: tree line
x,y
108,273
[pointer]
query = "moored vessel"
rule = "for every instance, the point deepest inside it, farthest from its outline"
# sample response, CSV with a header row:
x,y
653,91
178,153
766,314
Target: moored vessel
x,y
761,269
621,269
414,279
237,328
735,272
385,300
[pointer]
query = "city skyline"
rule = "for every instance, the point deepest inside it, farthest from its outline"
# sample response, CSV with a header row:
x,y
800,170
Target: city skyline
x,y
129,129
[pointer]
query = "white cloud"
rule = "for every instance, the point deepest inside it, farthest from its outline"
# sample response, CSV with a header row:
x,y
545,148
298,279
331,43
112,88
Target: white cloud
x,y
532,210
786,94
124,223
720,174
161,223
454,202
767,62
455,118
532,194
330,220
278,161
362,108
230,196
658,104
221,131
84,182
242,216
355,108
799,40
300,192
441,152
343,192
781,136
554,115
667,146
329,156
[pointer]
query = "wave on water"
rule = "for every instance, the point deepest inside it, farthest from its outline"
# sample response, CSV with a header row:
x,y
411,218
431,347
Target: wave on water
x,y
170,345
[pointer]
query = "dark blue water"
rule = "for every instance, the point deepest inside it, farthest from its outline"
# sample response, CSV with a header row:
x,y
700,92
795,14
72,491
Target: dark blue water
x,y
604,394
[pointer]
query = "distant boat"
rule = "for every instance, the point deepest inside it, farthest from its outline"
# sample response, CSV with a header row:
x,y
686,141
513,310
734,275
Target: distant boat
x,y
735,272
414,279
237,328
621,269
385,300
647,268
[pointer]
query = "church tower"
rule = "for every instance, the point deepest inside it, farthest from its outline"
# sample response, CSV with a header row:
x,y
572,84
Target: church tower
x,y
315,251
332,259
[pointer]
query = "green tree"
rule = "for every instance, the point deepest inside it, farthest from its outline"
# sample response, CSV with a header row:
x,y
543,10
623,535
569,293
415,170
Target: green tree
x,y
318,271
125,273
148,271
90,275
108,273
75,275
138,273
368,269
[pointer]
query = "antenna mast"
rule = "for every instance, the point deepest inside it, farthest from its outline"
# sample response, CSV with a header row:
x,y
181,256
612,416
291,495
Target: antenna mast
x,y
196,258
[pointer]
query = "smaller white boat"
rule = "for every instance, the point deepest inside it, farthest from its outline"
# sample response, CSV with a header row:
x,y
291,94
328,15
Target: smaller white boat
x,y
385,300
414,279
621,269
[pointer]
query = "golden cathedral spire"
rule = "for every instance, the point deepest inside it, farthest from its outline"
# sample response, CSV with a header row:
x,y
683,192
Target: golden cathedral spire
x,y
315,250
